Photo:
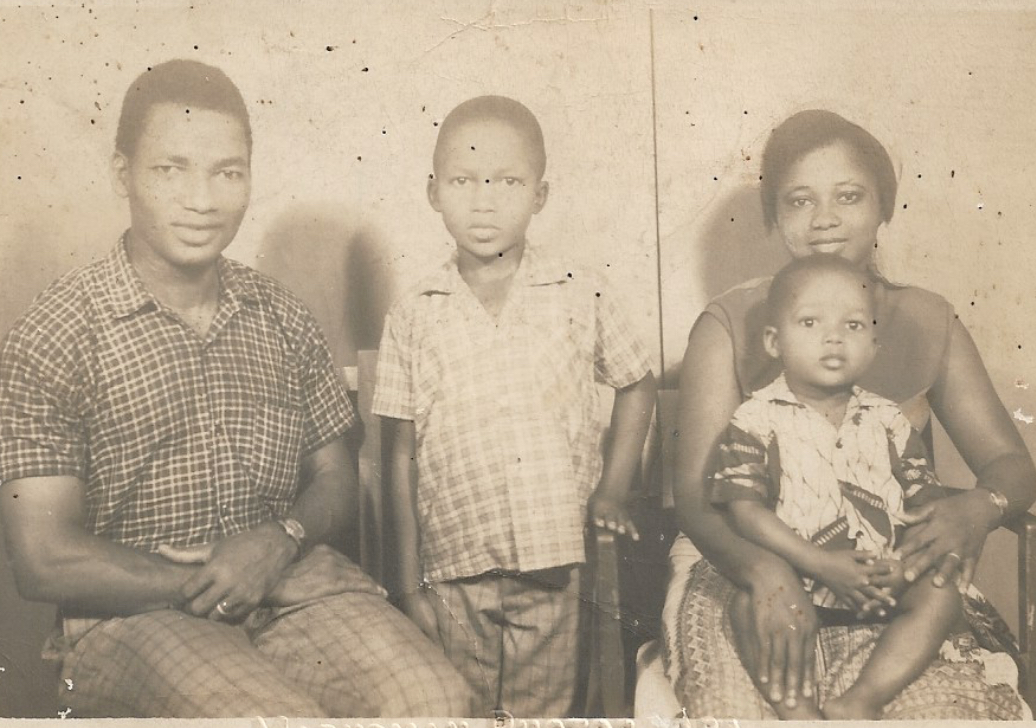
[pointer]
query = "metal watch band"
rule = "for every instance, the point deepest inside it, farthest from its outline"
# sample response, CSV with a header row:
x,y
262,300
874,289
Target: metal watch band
x,y
295,530
999,500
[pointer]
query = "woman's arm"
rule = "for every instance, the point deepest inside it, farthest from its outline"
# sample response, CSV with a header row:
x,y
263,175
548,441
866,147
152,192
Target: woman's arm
x,y
785,620
967,405
709,395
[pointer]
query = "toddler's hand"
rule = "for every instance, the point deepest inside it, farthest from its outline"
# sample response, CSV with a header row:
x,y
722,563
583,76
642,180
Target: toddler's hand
x,y
891,578
885,586
849,574
612,514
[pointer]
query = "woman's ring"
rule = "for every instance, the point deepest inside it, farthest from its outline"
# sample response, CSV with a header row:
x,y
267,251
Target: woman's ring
x,y
956,556
793,627
223,608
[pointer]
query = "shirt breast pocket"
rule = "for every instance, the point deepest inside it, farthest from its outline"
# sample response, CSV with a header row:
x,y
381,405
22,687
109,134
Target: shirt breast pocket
x,y
277,433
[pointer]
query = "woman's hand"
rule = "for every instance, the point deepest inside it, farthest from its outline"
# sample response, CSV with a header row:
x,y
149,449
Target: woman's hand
x,y
947,535
785,636
890,579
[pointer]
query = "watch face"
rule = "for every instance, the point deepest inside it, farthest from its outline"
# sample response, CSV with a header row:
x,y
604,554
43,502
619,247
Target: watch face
x,y
294,529
999,500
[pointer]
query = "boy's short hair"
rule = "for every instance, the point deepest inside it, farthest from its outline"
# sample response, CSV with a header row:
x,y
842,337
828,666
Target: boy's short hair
x,y
494,108
789,279
807,131
179,81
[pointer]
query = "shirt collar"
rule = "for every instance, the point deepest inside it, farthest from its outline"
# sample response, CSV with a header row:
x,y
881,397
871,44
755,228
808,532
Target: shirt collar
x,y
778,391
536,268
125,292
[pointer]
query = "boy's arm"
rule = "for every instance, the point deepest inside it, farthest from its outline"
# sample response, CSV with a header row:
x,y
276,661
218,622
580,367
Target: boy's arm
x,y
415,596
631,415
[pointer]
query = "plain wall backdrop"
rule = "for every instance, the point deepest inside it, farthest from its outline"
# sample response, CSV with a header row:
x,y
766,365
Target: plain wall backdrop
x,y
346,97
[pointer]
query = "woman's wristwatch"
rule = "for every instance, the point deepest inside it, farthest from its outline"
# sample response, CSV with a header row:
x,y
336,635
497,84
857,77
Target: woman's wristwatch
x,y
999,500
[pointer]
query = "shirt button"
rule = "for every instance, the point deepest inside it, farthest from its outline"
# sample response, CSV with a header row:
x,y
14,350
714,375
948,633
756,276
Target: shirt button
x,y
838,443
224,510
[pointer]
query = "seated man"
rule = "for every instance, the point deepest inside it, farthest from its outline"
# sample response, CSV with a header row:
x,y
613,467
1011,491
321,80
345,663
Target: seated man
x,y
172,458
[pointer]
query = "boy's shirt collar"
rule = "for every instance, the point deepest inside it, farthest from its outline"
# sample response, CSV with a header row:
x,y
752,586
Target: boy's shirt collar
x,y
537,268
126,293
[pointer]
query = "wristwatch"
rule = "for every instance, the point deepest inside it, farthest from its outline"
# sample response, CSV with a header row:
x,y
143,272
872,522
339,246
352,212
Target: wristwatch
x,y
295,530
999,500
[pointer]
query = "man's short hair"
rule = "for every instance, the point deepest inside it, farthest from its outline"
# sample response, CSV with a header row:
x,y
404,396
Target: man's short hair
x,y
494,108
191,84
791,278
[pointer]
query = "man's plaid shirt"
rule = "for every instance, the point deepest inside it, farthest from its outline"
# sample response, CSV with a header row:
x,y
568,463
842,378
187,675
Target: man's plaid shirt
x,y
178,439
506,412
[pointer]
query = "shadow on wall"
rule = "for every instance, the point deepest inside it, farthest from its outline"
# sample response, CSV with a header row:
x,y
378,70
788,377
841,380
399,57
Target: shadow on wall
x,y
328,256
33,253
737,246
733,246
28,685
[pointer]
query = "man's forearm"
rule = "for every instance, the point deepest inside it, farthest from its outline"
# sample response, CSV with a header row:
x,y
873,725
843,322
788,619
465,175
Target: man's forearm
x,y
107,578
328,493
55,559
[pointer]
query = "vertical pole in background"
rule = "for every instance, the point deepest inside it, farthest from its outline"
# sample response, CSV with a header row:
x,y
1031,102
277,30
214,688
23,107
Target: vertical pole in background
x,y
371,495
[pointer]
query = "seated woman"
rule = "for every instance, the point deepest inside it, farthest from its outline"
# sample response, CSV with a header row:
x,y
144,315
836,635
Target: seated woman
x,y
828,185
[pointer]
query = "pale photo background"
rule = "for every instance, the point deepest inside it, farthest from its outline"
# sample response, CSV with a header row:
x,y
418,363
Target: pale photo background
x,y
345,98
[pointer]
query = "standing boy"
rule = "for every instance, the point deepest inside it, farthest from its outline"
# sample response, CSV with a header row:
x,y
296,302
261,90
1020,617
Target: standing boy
x,y
172,458
489,368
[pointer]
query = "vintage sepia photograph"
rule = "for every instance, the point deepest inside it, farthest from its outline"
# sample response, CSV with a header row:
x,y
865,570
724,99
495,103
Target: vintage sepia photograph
x,y
506,361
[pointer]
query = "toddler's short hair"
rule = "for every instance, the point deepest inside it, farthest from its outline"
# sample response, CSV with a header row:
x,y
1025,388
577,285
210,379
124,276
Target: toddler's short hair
x,y
789,280
494,108
179,81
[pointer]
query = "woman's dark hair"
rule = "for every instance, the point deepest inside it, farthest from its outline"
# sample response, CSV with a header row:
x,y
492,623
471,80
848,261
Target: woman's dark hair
x,y
188,83
807,131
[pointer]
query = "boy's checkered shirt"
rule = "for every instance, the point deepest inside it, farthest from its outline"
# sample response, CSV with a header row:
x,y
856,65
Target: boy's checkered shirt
x,y
506,411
